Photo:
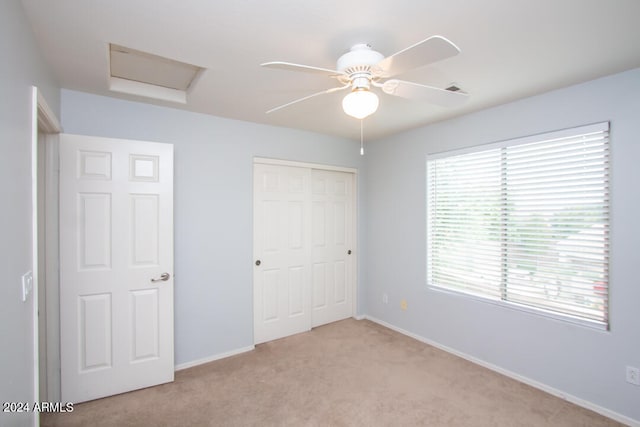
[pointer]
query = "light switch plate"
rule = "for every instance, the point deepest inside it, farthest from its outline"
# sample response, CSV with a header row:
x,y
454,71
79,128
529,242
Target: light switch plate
x,y
27,285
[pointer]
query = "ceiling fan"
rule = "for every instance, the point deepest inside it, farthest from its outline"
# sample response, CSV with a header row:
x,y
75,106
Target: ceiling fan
x,y
362,69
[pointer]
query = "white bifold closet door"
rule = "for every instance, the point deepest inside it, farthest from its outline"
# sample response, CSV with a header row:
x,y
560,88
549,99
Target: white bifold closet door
x,y
303,247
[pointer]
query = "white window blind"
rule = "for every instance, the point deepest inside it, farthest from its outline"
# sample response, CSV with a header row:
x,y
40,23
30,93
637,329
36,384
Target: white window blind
x,y
524,223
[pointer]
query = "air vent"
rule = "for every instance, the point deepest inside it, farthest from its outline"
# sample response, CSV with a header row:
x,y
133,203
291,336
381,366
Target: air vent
x,y
153,76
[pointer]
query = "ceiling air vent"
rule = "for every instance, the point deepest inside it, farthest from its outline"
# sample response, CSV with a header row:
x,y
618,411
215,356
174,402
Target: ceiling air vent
x,y
140,73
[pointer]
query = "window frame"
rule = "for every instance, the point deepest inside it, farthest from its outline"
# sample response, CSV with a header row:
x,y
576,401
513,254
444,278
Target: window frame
x,y
503,302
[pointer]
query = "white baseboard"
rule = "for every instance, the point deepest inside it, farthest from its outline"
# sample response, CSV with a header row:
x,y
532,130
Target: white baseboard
x,y
541,386
212,358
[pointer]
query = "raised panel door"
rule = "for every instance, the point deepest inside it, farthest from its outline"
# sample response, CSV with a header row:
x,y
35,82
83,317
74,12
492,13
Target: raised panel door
x,y
116,234
281,248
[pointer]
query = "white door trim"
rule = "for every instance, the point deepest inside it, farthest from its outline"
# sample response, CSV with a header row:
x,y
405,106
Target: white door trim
x,y
43,120
47,120
354,219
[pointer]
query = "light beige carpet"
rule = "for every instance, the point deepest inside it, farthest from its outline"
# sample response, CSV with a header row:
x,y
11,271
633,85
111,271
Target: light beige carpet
x,y
349,373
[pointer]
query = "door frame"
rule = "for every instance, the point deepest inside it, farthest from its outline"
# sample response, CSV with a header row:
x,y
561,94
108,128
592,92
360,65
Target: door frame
x,y
44,129
354,219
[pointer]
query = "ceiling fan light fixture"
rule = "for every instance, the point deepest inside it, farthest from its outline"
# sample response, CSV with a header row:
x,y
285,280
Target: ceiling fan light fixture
x,y
360,103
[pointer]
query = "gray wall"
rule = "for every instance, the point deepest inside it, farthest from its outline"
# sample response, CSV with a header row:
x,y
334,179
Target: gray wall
x,y
583,362
21,66
213,205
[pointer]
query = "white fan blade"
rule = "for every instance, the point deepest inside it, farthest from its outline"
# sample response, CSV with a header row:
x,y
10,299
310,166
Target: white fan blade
x,y
298,67
333,89
433,49
434,95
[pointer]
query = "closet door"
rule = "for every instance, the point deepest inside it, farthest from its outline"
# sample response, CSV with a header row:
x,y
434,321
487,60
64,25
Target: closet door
x,y
331,246
304,231
281,251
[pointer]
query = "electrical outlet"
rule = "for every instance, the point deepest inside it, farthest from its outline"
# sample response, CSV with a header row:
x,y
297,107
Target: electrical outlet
x,y
403,304
385,299
633,375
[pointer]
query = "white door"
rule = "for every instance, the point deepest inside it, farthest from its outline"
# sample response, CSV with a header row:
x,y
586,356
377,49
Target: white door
x,y
116,266
331,253
281,251
303,236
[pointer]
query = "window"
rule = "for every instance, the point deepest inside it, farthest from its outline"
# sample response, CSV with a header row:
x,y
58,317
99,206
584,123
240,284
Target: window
x,y
524,223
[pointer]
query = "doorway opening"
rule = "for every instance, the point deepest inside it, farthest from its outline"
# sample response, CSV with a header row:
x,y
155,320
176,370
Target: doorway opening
x,y
45,130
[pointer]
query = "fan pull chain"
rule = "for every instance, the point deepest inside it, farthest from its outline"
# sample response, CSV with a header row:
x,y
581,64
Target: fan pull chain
x,y
361,139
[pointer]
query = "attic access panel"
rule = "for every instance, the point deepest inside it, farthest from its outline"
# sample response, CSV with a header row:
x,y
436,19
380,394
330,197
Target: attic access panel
x,y
145,74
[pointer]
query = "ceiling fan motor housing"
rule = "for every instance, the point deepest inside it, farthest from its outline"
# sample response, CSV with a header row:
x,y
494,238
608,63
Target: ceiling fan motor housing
x,y
359,59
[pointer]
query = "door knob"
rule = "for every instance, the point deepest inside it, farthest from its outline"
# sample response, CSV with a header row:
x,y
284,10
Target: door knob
x,y
258,262
163,278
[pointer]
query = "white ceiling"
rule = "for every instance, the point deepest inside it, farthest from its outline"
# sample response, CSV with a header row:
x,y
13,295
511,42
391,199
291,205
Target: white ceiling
x,y
510,49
